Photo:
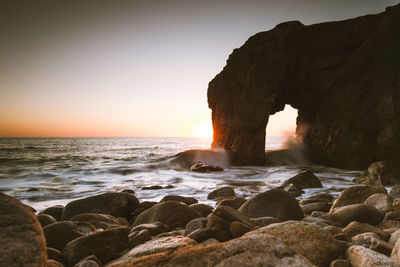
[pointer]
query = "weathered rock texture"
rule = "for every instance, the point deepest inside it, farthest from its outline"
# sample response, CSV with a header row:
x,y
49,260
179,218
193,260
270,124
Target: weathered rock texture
x,y
343,77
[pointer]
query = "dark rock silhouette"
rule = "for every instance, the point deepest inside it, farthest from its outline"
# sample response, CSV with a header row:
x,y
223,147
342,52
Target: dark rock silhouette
x,y
343,77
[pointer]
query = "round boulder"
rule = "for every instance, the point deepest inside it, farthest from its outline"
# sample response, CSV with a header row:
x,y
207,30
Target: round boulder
x,y
356,212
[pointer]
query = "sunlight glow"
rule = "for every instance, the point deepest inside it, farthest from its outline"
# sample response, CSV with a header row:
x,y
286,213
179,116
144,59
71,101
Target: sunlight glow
x,y
203,131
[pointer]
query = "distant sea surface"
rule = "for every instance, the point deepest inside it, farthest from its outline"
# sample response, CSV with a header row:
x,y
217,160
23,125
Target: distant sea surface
x,y
47,171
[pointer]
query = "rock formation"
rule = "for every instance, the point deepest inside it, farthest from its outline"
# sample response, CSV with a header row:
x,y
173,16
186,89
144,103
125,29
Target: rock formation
x,y
343,78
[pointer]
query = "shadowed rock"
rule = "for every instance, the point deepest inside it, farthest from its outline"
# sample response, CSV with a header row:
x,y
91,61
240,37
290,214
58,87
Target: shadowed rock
x,y
341,76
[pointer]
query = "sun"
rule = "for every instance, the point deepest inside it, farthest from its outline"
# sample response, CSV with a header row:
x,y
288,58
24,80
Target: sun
x,y
203,131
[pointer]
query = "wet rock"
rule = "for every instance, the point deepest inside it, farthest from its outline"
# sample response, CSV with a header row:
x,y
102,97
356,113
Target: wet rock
x,y
55,254
313,242
115,204
356,195
359,256
195,224
293,190
395,191
201,209
138,237
105,245
393,237
340,263
177,232
154,229
376,174
223,192
202,234
171,213
90,261
46,219
371,240
356,212
230,215
318,221
303,180
273,203
22,239
263,221
53,263
202,167
355,228
153,187
247,251
235,202
387,224
237,229
382,202
216,222
103,221
316,206
334,230
186,200
155,246
60,233
54,211
210,241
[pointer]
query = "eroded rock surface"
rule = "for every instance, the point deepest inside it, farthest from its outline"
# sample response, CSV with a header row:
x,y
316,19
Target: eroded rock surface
x,y
343,77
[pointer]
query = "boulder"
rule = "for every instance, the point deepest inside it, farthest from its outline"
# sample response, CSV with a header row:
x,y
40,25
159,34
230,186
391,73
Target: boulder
x,y
90,261
393,237
234,202
55,254
355,212
60,233
54,211
138,237
303,180
154,229
46,219
115,204
195,224
395,191
313,242
201,209
223,192
103,221
105,245
22,239
202,167
359,256
396,251
356,195
382,202
340,263
171,213
247,251
186,200
316,206
376,174
355,228
273,203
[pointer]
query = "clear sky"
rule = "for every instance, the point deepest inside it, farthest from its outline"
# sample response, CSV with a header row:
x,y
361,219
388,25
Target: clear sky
x,y
132,68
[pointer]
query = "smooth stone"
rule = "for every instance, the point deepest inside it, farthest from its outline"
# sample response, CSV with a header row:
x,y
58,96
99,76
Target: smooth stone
x,y
54,263
316,206
22,239
387,224
55,254
356,212
313,200
340,263
293,190
201,209
195,224
154,229
393,237
216,222
235,202
54,211
273,203
396,251
115,204
210,241
263,221
60,233
356,195
247,251
155,246
201,234
223,192
171,213
334,230
105,245
237,229
303,180
46,219
186,200
382,202
90,261
139,237
313,242
395,191
355,228
206,168
359,256
230,214
98,220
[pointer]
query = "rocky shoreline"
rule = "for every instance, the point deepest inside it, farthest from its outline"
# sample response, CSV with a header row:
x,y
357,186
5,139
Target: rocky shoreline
x,y
361,227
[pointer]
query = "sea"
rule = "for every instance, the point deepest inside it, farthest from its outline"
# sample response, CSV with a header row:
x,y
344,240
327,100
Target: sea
x,y
42,172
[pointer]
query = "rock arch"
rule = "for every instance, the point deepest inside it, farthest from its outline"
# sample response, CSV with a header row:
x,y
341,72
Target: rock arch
x,y
343,78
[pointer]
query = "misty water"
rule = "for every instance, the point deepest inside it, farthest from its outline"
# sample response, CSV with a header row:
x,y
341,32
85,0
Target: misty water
x,y
47,171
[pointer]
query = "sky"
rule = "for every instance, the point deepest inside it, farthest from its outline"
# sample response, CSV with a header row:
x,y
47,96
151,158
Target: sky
x,y
133,68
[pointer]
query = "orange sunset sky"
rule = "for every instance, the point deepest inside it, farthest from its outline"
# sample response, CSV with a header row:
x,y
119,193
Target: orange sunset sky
x,y
136,68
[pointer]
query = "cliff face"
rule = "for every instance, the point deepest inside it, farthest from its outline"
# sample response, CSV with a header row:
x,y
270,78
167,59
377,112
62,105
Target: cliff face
x,y
343,77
